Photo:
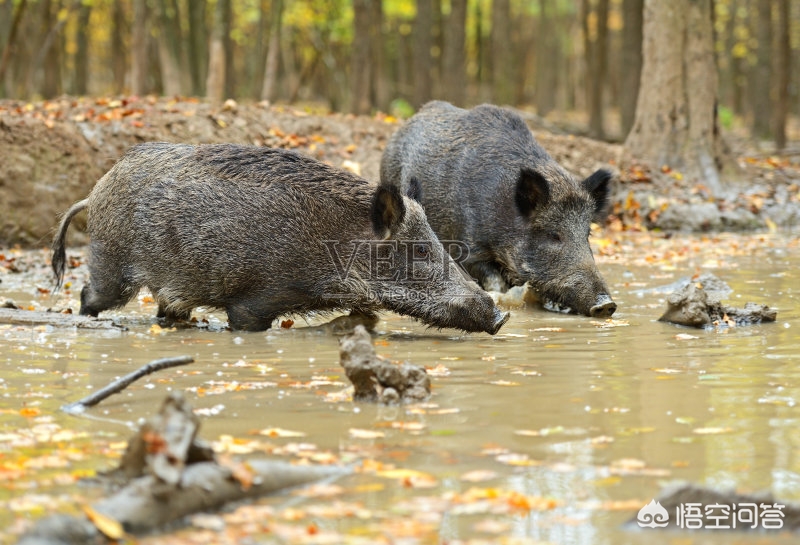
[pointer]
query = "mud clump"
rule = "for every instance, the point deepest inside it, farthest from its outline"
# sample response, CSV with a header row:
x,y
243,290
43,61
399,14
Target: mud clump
x,y
695,306
376,380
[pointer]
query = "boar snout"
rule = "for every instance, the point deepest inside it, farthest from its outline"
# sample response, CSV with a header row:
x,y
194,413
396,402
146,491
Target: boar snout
x,y
603,307
500,318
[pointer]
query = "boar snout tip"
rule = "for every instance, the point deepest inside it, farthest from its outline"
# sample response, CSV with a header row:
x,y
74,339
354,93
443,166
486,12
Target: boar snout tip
x,y
603,307
500,318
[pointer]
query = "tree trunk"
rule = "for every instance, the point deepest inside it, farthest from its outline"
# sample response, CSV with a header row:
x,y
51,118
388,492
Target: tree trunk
x,y
761,83
545,67
215,82
80,82
10,43
454,54
269,86
631,61
197,58
139,62
676,121
380,87
502,65
169,50
423,83
361,65
596,60
119,29
783,74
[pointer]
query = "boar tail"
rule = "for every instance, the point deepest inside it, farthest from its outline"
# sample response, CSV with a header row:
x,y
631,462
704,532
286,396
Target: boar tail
x,y
59,259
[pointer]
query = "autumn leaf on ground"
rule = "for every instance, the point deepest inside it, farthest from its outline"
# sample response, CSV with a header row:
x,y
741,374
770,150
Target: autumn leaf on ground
x,y
240,471
409,478
280,432
711,430
109,527
357,433
479,475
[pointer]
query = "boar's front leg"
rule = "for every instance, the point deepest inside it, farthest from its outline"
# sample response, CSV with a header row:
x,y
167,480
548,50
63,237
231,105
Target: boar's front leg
x,y
488,275
170,316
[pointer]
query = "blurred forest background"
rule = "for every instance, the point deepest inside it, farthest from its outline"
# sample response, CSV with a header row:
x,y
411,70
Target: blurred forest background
x,y
576,61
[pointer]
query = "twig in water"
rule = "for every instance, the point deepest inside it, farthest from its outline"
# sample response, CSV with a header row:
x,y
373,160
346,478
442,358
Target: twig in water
x,y
123,382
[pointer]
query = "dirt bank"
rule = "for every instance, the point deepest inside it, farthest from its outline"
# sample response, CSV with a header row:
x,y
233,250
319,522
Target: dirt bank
x,y
52,153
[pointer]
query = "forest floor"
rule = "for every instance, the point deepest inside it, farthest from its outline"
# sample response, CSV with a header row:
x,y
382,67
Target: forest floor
x,y
52,153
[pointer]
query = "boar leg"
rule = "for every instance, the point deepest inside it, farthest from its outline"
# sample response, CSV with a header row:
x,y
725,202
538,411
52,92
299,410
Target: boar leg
x,y
488,275
245,317
171,316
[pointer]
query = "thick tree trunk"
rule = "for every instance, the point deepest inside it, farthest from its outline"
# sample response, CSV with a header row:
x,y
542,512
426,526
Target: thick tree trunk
x,y
676,121
360,64
423,82
215,82
761,84
454,54
502,64
631,61
783,74
269,86
138,79
380,87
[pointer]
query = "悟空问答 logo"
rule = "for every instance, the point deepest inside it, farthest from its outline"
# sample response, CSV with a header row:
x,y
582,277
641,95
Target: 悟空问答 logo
x,y
652,515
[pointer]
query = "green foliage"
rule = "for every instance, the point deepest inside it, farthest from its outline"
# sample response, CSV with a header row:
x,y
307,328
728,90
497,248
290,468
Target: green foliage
x,y
401,108
726,117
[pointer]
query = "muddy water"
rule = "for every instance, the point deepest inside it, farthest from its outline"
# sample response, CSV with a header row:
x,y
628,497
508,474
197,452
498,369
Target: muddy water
x,y
585,420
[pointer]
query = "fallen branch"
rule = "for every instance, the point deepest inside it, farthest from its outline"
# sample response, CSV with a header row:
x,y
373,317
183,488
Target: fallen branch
x,y
123,382
169,475
15,316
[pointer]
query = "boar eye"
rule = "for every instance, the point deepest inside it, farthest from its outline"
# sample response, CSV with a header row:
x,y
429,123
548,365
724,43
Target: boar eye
x,y
555,237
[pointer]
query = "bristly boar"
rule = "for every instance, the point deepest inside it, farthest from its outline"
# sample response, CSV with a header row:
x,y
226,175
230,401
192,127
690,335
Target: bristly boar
x,y
486,181
262,232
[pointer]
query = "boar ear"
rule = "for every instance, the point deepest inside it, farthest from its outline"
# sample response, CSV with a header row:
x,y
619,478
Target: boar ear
x,y
388,210
414,190
532,192
599,187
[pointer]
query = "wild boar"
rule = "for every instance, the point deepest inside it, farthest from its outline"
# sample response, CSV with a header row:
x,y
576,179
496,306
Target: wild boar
x,y
263,232
486,182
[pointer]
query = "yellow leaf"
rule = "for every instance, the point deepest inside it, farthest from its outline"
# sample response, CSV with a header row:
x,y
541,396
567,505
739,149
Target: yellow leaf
x,y
110,528
279,432
365,434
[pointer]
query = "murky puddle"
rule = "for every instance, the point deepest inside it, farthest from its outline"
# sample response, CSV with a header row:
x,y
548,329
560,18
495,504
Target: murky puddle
x,y
558,429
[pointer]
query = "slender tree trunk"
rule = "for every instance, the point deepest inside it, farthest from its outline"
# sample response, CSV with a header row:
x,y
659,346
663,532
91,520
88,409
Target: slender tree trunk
x,y
119,29
545,67
597,59
197,58
502,50
676,122
423,82
455,60
361,65
169,50
138,79
631,61
761,83
80,84
10,44
380,87
215,82
269,86
783,73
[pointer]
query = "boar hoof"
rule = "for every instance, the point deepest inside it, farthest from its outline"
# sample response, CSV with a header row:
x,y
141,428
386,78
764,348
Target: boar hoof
x,y
603,307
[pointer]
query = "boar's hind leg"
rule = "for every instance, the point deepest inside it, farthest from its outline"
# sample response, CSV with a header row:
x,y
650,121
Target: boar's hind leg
x,y
97,297
244,317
